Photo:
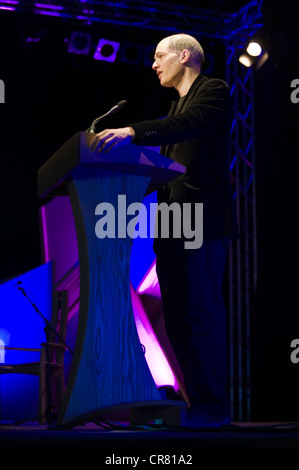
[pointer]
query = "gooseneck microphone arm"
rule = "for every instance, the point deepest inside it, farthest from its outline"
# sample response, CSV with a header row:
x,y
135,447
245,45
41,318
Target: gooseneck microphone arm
x,y
114,109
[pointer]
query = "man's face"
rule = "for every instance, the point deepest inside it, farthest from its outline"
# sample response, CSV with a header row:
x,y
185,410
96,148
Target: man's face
x,y
167,64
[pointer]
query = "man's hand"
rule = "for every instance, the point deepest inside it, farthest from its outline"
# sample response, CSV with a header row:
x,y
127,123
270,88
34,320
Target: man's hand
x,y
111,138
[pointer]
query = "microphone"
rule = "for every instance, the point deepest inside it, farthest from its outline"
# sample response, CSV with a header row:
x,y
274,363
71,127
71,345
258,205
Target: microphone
x,y
114,109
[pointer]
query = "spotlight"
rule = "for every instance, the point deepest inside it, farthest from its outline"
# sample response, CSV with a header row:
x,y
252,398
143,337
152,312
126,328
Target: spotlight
x,y
254,49
106,50
254,55
79,43
262,60
131,53
246,60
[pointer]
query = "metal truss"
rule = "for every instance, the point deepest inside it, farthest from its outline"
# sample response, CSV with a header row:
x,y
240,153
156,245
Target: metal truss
x,y
149,15
243,252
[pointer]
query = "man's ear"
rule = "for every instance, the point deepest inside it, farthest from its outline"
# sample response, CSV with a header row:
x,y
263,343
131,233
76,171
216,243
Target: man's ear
x,y
185,56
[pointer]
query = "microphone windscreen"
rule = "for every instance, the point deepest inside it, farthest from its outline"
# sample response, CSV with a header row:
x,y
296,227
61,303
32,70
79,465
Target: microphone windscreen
x,y
121,104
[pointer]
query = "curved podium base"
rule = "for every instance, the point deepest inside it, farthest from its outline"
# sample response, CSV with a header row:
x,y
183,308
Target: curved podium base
x,y
168,412
109,369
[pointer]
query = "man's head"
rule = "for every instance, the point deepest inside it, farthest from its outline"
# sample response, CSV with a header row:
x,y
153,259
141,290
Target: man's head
x,y
174,54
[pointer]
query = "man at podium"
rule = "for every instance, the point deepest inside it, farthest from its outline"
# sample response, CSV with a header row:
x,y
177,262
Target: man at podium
x,y
196,134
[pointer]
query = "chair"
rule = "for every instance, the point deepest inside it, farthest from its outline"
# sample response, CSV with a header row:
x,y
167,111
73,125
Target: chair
x,y
50,367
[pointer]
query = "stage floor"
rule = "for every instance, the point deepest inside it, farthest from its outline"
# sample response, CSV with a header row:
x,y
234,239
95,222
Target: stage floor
x,y
148,446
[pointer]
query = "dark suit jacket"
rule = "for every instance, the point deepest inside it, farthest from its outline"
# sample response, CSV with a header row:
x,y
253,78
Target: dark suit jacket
x,y
198,137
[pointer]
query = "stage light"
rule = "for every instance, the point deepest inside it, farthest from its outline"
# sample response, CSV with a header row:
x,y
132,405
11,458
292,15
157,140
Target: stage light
x,y
254,55
131,53
246,60
262,60
79,43
254,49
106,50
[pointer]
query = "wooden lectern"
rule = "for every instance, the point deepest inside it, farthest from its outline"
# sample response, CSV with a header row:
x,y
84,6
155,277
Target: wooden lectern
x,y
108,371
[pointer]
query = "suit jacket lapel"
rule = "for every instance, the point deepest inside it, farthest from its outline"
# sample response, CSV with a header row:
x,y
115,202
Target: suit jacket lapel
x,y
193,89
165,148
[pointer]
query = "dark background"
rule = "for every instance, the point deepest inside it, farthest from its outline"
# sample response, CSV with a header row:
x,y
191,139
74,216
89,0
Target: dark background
x,y
275,320
51,94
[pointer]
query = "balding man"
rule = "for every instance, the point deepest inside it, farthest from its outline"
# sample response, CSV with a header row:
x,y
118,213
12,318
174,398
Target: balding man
x,y
196,134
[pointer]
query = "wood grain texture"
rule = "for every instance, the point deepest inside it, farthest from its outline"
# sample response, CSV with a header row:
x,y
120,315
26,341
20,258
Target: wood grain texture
x,y
109,368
